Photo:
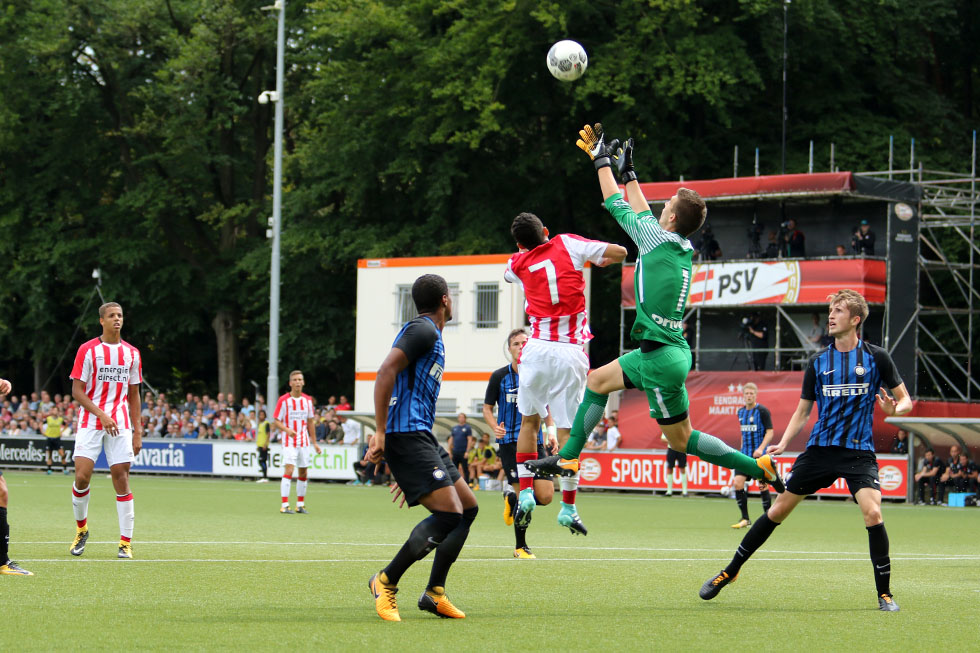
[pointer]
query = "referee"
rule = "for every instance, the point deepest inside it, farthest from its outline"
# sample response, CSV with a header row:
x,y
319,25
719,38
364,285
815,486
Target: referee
x,y
844,379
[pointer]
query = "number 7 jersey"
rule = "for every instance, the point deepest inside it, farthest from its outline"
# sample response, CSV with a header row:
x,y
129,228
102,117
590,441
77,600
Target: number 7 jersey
x,y
662,280
554,287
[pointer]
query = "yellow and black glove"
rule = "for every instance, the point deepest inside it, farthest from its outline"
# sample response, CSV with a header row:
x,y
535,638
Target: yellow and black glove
x,y
624,162
592,142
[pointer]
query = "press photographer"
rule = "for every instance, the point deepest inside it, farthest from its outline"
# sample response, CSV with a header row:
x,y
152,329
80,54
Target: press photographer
x,y
794,242
756,333
863,240
707,247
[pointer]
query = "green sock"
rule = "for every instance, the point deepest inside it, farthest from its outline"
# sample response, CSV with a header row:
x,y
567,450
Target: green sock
x,y
589,414
708,447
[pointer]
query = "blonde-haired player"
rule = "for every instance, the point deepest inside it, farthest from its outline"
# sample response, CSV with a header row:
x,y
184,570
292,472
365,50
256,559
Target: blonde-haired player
x,y
755,422
294,417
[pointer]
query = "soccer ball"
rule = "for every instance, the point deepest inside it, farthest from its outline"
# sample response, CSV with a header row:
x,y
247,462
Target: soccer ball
x,y
567,60
725,491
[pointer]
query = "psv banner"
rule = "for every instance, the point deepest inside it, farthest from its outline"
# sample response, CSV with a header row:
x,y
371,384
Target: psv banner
x,y
760,281
647,470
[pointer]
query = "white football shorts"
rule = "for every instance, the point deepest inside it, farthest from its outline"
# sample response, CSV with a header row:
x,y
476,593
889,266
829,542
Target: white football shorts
x,y
552,375
89,442
297,456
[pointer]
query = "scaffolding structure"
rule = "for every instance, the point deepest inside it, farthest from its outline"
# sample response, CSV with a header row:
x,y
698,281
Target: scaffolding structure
x,y
945,323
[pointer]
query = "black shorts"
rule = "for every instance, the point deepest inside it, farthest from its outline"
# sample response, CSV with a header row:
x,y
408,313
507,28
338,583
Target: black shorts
x,y
507,451
419,464
53,444
459,458
819,467
676,459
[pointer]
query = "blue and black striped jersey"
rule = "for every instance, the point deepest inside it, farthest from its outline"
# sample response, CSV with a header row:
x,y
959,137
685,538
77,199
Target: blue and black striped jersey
x,y
844,385
755,422
502,392
413,400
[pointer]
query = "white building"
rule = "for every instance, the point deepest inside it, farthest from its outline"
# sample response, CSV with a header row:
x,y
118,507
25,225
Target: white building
x,y
485,309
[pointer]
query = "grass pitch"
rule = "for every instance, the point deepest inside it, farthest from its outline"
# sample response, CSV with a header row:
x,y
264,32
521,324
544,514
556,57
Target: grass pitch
x,y
218,568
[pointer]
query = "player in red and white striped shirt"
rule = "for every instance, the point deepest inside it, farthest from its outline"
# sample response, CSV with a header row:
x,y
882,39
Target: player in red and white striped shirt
x,y
106,381
553,364
294,417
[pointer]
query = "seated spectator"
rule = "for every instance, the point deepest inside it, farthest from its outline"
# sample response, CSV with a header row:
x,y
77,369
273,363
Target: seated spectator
x,y
331,402
707,246
900,444
841,250
187,431
247,407
597,439
863,240
335,434
352,430
481,457
944,476
962,475
929,475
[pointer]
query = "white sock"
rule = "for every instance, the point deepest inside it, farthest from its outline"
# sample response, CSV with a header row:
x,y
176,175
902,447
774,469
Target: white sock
x,y
684,481
569,483
301,491
670,480
79,502
284,487
127,514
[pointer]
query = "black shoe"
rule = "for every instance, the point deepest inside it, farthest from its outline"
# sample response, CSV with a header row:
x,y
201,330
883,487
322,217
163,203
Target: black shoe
x,y
553,465
887,604
714,584
300,510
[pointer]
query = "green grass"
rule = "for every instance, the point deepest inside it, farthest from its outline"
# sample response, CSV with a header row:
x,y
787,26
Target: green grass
x,y
218,568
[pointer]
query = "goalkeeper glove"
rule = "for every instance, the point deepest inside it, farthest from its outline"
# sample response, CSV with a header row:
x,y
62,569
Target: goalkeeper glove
x,y
592,142
624,162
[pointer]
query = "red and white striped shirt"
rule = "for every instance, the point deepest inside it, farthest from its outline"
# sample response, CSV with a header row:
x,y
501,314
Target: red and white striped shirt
x,y
554,287
107,372
294,412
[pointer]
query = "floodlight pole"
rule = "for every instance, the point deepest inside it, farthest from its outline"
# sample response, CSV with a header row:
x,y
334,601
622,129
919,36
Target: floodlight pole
x,y
782,169
272,384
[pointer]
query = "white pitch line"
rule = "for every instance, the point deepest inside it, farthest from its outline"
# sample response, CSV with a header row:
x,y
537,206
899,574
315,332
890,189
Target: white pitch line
x,y
862,554
383,560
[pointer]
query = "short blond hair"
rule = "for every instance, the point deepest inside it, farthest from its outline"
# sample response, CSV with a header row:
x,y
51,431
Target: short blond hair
x,y
853,300
750,385
294,373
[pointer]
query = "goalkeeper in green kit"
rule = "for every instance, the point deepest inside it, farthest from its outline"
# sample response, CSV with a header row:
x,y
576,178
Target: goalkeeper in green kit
x,y
662,282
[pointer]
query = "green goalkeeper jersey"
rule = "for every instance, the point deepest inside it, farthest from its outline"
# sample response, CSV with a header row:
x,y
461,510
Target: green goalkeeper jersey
x,y
663,274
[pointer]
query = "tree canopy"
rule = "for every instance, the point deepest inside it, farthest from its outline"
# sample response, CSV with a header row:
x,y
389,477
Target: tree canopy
x,y
131,140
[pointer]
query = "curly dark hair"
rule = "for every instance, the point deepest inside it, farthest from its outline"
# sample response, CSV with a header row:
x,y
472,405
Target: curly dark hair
x,y
528,230
428,291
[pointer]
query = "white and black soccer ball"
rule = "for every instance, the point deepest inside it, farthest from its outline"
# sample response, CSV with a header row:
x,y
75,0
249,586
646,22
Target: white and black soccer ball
x,y
567,60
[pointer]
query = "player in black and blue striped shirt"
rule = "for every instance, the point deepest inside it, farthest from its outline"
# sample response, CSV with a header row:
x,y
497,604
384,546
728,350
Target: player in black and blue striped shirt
x,y
502,393
405,396
844,379
755,422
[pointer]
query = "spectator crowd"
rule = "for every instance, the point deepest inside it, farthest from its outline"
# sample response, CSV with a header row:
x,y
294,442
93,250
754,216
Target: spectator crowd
x,y
203,417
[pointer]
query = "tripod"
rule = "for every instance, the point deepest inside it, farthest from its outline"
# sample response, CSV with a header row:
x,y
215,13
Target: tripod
x,y
743,341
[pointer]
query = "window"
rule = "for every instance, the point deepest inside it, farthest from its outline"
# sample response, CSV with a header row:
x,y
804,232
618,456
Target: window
x,y
487,294
446,405
405,305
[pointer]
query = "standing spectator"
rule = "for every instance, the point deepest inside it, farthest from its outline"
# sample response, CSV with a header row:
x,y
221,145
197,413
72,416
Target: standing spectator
x,y
612,432
262,442
331,402
7,566
772,245
461,442
929,475
759,340
52,435
344,404
189,404
817,332
863,240
794,242
597,439
900,444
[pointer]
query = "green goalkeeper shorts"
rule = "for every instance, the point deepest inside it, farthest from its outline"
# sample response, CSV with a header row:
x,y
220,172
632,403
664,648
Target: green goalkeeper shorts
x,y
660,373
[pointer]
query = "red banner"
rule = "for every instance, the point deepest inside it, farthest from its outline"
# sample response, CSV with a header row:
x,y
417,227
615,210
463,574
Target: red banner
x,y
742,283
647,470
715,398
820,182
